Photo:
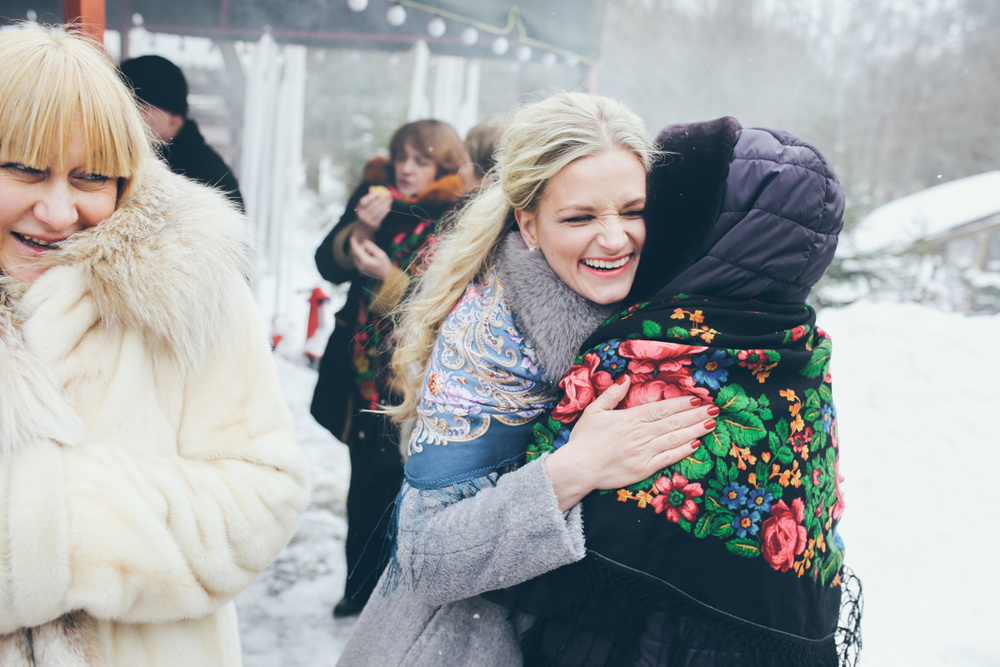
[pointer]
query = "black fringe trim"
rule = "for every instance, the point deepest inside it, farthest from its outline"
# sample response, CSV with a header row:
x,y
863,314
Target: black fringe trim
x,y
623,624
852,606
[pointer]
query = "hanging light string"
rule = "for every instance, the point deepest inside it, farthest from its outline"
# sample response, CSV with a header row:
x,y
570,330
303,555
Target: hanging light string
x,y
514,20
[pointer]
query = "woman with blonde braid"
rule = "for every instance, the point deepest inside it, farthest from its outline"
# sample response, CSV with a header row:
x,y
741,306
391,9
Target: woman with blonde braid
x,y
529,268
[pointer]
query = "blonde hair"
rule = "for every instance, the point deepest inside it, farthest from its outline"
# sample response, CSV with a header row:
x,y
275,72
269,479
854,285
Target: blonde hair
x,y
538,142
53,78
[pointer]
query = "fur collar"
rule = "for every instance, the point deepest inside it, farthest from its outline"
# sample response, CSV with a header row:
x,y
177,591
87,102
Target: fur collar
x,y
160,265
445,190
68,641
163,265
553,318
376,171
685,191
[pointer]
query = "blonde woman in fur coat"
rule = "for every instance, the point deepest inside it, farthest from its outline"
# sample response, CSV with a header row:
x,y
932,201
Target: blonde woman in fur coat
x,y
148,470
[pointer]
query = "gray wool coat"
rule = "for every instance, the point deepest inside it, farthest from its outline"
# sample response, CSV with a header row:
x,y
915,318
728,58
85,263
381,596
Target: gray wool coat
x,y
508,532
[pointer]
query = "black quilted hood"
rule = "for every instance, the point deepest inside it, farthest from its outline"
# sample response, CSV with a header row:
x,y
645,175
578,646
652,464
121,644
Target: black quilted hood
x,y
738,213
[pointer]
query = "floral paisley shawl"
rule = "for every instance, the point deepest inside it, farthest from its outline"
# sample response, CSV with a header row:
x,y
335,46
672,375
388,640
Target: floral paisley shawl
x,y
745,526
483,392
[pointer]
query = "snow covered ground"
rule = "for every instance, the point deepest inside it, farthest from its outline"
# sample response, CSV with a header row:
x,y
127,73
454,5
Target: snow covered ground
x,y
285,616
915,391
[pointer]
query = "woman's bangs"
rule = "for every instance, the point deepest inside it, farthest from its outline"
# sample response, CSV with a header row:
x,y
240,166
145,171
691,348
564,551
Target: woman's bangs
x,y
108,136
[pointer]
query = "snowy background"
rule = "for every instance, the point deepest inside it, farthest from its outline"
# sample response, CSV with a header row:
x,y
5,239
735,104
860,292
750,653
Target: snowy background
x,y
915,389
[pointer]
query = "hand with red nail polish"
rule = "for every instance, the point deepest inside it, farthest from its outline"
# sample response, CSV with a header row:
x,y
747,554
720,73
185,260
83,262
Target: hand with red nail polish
x,y
611,449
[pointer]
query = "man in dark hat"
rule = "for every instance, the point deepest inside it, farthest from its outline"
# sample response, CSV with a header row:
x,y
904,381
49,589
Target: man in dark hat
x,y
162,90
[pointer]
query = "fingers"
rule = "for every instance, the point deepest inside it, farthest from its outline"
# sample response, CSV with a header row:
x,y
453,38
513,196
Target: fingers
x,y
669,457
611,397
357,251
675,445
361,246
668,407
360,254
375,200
356,244
369,259
674,429
374,251
372,209
365,248
695,427
615,448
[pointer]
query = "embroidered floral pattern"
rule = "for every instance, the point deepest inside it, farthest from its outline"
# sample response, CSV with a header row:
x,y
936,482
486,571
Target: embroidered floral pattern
x,y
658,370
676,498
481,372
765,481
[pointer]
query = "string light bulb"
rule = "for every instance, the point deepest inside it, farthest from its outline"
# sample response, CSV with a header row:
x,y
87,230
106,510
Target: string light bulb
x,y
470,36
436,27
396,16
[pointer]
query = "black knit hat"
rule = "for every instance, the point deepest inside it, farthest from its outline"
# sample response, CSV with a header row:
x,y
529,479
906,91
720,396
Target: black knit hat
x,y
157,82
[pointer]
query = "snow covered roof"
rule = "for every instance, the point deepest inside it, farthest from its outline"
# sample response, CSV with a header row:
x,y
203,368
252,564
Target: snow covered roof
x,y
926,214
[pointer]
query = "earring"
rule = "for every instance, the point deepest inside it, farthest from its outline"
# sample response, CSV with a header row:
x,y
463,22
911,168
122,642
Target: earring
x,y
532,248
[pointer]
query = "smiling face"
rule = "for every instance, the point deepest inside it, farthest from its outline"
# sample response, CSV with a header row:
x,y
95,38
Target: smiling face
x,y
39,208
589,226
414,171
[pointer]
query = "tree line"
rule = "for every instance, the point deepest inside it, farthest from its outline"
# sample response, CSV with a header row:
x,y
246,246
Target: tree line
x,y
901,96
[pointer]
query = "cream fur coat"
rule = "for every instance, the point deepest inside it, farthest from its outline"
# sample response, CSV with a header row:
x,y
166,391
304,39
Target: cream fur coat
x,y
148,470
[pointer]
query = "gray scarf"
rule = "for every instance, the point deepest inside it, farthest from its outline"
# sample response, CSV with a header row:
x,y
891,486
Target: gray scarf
x,y
553,318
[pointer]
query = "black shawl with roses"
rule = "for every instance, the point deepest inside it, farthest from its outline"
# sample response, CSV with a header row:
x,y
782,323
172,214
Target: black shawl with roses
x,y
732,551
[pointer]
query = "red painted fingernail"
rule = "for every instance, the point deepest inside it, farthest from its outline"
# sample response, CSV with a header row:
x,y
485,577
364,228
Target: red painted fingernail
x,y
710,424
622,379
695,444
714,410
695,402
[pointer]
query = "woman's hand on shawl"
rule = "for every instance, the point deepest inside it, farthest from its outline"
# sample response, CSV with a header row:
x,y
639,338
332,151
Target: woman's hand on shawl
x,y
611,449
371,211
369,259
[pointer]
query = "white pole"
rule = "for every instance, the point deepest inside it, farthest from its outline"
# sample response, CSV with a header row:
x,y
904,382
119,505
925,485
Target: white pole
x,y
419,105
